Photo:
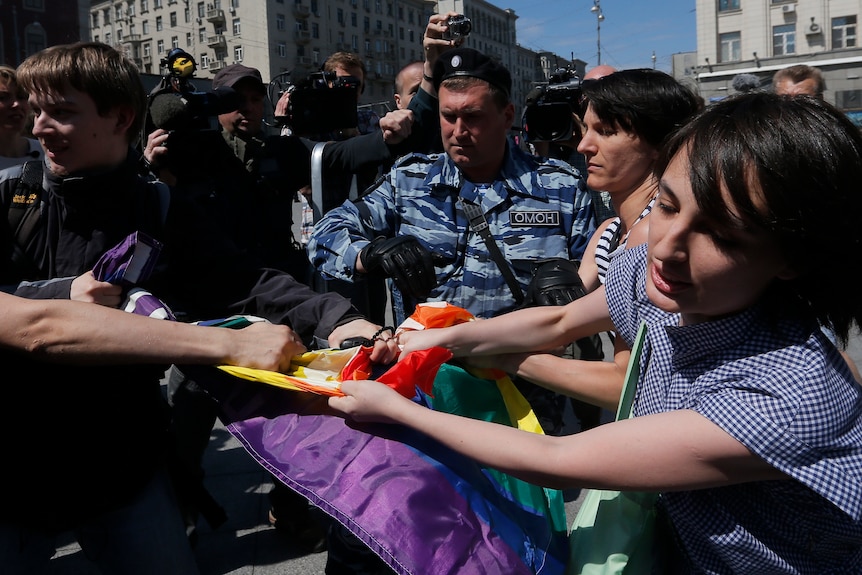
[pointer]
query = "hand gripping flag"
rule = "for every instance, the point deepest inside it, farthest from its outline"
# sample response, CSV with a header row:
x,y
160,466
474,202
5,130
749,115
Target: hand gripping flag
x,y
421,507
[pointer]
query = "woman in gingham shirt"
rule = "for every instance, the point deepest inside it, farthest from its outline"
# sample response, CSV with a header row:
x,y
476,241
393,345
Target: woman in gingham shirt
x,y
747,420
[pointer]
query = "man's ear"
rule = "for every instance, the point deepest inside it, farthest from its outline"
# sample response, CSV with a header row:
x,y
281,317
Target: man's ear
x,y
125,118
509,112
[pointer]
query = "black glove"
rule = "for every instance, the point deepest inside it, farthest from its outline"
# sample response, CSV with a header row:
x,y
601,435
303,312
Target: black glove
x,y
555,282
404,260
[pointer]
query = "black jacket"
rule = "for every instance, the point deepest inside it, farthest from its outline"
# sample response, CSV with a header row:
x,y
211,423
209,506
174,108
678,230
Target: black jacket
x,y
85,439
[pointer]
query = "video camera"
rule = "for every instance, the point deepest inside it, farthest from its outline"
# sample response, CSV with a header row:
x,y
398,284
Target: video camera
x,y
548,116
189,115
177,106
319,103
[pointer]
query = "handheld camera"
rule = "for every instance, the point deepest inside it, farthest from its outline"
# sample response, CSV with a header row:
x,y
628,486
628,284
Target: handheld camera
x,y
319,103
458,27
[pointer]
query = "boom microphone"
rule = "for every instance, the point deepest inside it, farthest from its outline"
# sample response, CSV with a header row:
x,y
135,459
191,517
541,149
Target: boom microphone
x,y
745,82
168,111
179,111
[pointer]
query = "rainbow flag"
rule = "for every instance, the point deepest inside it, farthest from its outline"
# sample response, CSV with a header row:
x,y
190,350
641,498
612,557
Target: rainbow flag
x,y
421,507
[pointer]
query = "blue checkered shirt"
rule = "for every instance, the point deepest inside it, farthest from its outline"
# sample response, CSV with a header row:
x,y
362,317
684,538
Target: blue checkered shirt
x,y
784,392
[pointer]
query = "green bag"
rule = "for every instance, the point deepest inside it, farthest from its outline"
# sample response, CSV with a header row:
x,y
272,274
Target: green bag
x,y
612,533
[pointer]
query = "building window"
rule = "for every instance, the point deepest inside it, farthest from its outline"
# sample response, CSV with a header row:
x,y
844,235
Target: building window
x,y
173,17
843,32
145,27
730,47
280,22
202,11
148,49
315,30
282,49
159,25
353,19
354,43
157,4
189,39
160,46
340,16
237,29
784,39
187,15
145,6
175,42
237,53
95,19
34,38
205,61
848,99
202,35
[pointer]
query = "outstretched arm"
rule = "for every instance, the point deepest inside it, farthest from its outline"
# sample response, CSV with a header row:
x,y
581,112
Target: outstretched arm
x,y
533,329
633,454
82,333
596,382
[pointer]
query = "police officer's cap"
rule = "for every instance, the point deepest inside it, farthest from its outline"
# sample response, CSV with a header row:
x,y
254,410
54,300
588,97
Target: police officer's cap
x,y
232,75
471,63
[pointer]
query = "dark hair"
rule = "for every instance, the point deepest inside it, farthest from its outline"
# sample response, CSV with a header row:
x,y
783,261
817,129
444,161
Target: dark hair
x,y
94,68
792,167
646,102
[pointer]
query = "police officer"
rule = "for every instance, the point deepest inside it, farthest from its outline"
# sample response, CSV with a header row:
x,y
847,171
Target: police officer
x,y
414,226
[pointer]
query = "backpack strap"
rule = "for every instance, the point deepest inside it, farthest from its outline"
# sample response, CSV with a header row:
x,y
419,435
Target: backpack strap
x,y
25,210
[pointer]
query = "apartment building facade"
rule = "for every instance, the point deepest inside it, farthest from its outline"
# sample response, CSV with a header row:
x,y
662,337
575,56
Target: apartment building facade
x,y
758,37
296,36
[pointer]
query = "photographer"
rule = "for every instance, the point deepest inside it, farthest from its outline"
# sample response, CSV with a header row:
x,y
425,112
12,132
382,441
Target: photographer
x,y
246,182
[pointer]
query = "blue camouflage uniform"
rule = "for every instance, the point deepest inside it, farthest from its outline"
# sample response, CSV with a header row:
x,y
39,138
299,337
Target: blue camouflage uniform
x,y
537,208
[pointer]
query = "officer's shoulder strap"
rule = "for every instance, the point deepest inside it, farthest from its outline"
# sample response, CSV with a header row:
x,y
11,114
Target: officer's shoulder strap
x,y
415,158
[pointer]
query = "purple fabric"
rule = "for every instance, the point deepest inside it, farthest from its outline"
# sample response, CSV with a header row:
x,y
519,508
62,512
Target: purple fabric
x,y
421,507
128,263
135,257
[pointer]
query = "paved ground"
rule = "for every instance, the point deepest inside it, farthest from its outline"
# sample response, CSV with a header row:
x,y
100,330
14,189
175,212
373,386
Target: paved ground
x,y
246,544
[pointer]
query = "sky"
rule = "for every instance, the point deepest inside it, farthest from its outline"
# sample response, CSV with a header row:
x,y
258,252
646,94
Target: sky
x,y
631,31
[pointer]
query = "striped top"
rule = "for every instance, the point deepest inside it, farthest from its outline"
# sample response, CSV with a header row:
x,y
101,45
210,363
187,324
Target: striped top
x,y
610,243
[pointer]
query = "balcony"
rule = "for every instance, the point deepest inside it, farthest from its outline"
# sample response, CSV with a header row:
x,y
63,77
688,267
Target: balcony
x,y
304,61
302,36
217,41
133,38
215,15
147,60
216,65
301,11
